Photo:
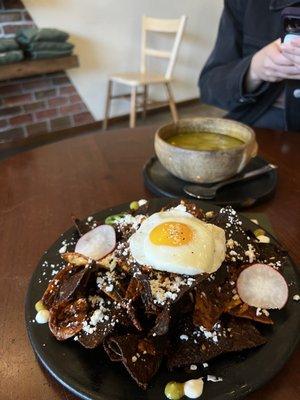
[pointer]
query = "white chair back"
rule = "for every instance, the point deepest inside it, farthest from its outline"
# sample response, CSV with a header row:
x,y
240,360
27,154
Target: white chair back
x,y
175,26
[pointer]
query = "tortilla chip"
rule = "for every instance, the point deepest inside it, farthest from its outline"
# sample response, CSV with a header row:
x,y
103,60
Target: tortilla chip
x,y
132,314
81,226
51,295
193,345
166,289
66,319
134,289
162,323
112,351
245,311
113,283
75,259
141,364
209,308
214,296
240,246
269,253
146,294
92,335
70,282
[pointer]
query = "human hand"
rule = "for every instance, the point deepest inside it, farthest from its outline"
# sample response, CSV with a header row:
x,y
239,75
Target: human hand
x,y
291,51
270,65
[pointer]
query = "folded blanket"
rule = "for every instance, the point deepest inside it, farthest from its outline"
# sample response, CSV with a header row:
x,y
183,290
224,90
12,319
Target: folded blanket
x,y
8,45
11,56
52,46
38,55
30,35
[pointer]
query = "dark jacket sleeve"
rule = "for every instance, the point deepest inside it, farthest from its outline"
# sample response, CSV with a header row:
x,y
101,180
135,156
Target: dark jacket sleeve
x,y
222,79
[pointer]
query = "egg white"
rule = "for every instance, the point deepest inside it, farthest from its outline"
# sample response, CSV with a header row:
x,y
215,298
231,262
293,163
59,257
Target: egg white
x,y
204,253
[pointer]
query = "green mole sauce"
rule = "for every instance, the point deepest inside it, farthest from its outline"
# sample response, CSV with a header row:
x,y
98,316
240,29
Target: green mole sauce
x,y
174,390
204,141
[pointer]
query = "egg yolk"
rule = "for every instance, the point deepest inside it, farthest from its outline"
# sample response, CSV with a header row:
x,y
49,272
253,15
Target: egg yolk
x,y
171,234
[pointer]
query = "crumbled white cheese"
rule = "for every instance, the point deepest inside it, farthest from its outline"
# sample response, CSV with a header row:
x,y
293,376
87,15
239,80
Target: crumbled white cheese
x,y
231,243
209,214
142,202
250,253
63,249
213,378
164,288
296,297
109,288
258,312
213,335
100,314
106,281
193,367
129,219
205,365
184,337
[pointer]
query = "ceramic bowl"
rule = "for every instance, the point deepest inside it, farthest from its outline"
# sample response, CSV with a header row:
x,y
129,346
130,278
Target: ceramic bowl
x,y
205,166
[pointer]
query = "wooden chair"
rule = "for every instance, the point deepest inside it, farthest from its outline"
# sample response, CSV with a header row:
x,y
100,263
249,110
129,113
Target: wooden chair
x,y
144,78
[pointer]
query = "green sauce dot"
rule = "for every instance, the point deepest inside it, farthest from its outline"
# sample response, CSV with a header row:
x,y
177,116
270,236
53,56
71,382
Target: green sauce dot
x,y
259,232
174,390
134,205
112,219
39,306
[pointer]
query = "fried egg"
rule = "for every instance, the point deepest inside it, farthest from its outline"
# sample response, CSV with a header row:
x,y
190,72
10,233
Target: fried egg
x,y
176,241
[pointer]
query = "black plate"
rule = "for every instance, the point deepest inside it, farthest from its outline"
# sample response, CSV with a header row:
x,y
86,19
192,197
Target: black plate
x,y
240,195
90,375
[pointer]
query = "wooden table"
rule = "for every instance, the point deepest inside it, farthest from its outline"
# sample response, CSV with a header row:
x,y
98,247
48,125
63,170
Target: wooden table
x,y
41,188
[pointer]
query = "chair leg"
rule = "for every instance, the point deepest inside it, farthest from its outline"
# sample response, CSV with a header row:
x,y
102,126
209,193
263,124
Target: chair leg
x,y
145,100
172,103
133,107
107,105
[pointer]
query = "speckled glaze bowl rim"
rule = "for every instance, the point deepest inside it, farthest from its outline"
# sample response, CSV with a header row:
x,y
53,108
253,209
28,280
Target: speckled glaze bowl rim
x,y
182,149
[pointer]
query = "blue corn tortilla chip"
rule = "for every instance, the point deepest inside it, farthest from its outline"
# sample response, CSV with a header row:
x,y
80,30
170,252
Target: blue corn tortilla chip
x,y
193,345
71,281
95,330
141,357
67,318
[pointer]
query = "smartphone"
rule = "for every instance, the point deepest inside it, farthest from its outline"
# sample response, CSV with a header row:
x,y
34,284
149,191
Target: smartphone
x,y
290,22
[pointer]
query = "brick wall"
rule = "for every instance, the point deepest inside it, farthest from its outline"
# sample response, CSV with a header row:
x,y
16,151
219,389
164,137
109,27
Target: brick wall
x,y
39,104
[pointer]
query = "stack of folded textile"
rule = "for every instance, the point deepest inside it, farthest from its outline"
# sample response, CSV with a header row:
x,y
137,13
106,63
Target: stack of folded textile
x,y
10,51
44,43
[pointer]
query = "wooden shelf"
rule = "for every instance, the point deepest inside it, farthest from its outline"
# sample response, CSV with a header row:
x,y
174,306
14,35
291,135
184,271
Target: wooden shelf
x,y
25,68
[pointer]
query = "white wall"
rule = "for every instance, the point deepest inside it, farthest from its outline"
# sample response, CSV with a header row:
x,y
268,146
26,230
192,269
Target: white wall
x,y
107,38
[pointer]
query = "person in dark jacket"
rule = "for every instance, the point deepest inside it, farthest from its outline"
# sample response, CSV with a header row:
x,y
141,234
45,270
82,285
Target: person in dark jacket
x,y
250,73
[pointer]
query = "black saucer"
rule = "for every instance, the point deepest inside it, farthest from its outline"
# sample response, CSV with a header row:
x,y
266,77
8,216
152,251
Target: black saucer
x,y
240,195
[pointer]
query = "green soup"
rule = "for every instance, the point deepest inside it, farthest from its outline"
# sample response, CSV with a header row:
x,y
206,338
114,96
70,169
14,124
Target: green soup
x,y
204,141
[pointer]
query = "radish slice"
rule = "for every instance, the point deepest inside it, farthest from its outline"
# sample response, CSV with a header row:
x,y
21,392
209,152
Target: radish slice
x,y
262,286
97,243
